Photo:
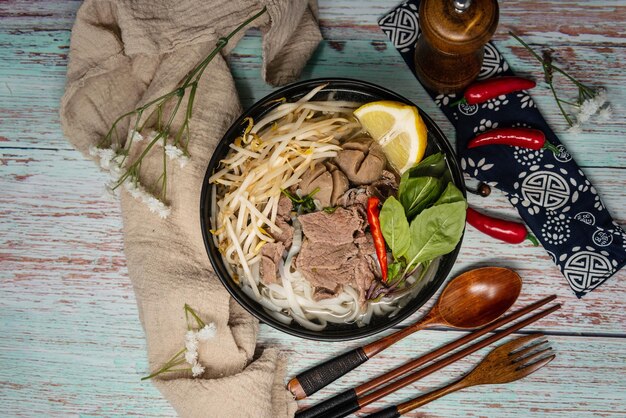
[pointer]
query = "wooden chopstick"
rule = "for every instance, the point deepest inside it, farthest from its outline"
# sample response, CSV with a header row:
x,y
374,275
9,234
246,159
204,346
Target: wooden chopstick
x,y
400,383
351,396
413,364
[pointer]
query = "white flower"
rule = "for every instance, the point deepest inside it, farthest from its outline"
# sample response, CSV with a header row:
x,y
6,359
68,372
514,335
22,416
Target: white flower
x,y
191,345
115,168
139,192
587,109
207,332
135,136
191,336
575,129
106,155
197,370
175,153
600,97
191,357
191,341
605,113
183,161
158,207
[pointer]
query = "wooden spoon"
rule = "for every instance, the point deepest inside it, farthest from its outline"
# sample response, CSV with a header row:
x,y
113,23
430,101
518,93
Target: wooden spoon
x,y
471,300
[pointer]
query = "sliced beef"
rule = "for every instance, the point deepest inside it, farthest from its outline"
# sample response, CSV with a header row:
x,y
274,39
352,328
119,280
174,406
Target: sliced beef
x,y
320,263
365,244
285,206
286,232
330,181
335,251
361,160
321,294
271,253
335,228
283,219
354,196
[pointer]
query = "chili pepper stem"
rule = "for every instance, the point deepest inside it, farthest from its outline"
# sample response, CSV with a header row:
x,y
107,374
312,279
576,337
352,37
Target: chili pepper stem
x,y
462,100
551,147
530,237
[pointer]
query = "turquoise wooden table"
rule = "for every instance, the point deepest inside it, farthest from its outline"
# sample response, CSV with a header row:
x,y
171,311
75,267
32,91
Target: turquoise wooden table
x,y
71,343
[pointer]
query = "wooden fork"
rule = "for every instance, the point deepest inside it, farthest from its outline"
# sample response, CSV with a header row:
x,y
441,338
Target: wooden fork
x,y
507,363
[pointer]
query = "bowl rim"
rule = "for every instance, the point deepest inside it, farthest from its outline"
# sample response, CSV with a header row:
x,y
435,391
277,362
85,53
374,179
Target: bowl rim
x,y
252,306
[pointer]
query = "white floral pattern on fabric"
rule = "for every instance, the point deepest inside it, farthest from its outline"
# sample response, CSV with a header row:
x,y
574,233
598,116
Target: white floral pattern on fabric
x,y
556,229
527,156
495,103
485,125
444,99
525,100
476,166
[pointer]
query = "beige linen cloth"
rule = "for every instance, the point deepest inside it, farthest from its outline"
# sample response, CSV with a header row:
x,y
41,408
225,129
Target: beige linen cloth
x,y
122,55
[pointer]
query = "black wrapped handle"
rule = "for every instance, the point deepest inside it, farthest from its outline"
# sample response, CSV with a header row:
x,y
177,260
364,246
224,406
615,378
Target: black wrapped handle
x,y
321,375
391,412
345,400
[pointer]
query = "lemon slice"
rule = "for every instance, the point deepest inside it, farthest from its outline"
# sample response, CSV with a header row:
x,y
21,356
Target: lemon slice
x,y
398,128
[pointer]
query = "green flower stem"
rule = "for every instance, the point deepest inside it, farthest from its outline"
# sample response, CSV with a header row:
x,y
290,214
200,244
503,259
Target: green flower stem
x,y
164,175
584,92
190,82
133,168
558,103
172,362
189,310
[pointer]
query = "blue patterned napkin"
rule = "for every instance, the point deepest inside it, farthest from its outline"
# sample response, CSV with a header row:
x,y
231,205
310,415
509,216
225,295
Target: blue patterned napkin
x,y
552,195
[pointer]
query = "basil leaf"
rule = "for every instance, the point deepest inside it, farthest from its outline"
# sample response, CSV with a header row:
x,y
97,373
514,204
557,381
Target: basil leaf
x,y
393,270
419,193
395,227
450,195
432,166
436,231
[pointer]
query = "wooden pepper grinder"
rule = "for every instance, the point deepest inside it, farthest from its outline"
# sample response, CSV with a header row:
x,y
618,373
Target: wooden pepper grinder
x,y
449,52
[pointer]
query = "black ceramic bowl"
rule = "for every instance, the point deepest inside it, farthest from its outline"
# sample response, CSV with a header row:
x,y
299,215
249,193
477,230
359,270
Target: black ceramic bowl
x,y
343,89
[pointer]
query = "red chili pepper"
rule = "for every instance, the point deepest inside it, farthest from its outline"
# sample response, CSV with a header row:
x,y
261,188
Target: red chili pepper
x,y
488,89
377,234
507,231
517,137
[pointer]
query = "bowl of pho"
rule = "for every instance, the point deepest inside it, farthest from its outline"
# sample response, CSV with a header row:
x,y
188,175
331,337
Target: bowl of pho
x,y
333,209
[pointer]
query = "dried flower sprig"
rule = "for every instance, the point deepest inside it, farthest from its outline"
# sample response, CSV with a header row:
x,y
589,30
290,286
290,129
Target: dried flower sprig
x,y
201,332
589,102
114,154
